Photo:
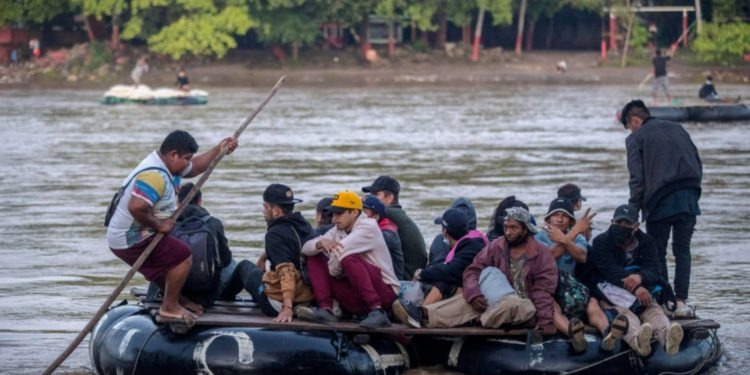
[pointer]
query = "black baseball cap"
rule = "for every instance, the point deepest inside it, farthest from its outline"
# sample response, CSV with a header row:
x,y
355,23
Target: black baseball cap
x,y
626,212
560,204
324,204
279,194
571,192
455,222
381,183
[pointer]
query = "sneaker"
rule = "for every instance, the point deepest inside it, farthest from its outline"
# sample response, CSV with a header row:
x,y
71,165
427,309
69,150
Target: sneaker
x,y
407,313
684,310
617,330
575,332
674,338
375,319
643,340
311,314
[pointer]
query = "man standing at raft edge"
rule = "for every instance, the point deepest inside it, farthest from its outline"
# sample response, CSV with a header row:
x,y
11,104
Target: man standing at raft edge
x,y
146,207
665,184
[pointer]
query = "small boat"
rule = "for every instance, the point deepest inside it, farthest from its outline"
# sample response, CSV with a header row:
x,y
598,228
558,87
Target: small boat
x,y
702,112
235,337
162,96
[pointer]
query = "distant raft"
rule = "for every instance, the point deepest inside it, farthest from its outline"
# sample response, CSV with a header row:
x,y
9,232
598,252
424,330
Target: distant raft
x,y
143,94
702,113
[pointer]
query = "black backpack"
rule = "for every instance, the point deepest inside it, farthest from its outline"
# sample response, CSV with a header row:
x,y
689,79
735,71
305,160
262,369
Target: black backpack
x,y
206,268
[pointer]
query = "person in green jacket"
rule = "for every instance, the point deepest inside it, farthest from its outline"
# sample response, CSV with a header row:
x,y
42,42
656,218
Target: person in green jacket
x,y
386,189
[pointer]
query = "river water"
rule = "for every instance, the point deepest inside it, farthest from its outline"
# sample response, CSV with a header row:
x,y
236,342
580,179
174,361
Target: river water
x,y
65,155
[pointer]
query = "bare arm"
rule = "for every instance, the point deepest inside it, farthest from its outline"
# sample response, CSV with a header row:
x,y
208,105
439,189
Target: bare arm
x,y
143,214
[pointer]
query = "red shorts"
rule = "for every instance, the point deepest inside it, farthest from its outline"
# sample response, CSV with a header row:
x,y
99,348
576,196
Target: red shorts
x,y
167,254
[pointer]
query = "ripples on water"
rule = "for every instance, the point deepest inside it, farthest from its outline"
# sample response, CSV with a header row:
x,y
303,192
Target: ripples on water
x,y
65,155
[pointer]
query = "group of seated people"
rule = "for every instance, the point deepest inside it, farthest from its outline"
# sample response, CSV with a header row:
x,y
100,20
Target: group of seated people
x,y
367,260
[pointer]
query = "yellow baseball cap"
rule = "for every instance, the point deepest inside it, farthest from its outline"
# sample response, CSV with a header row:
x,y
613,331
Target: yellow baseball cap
x,y
345,200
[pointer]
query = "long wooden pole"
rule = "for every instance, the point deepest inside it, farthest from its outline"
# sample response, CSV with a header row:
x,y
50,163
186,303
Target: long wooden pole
x,y
477,35
124,282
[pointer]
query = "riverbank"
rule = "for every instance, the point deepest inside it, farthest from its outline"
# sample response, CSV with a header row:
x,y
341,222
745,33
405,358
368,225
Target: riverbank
x,y
344,68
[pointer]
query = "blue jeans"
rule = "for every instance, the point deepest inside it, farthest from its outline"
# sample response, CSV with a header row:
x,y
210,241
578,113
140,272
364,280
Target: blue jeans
x,y
681,227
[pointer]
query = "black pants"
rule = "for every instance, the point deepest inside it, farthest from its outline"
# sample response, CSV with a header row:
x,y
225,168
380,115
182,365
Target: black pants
x,y
249,277
681,227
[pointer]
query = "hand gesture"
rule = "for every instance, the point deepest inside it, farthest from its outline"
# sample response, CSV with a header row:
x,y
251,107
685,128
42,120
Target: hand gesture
x,y
479,303
584,222
555,234
327,245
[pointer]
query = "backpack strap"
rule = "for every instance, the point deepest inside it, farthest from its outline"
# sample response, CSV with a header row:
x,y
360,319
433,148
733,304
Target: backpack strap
x,y
143,170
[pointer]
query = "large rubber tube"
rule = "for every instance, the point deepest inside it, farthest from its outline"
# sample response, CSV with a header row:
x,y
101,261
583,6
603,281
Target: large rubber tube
x,y
131,343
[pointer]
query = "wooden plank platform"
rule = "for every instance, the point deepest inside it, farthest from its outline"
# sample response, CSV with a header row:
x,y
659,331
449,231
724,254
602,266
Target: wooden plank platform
x,y
244,313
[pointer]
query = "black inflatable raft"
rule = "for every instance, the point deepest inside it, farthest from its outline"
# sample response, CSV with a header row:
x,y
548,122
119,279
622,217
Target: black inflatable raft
x,y
702,113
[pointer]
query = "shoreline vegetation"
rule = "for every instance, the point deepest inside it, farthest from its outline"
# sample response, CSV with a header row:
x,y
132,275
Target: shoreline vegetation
x,y
71,69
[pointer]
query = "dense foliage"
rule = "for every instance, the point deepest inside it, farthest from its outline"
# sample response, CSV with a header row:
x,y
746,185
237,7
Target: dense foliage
x,y
723,43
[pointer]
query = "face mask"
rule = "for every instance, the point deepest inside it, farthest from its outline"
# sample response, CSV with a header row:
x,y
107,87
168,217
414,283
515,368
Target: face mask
x,y
620,234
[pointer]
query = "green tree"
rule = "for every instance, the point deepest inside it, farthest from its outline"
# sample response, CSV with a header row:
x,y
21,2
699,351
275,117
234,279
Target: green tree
x,y
100,9
180,27
34,11
289,22
723,43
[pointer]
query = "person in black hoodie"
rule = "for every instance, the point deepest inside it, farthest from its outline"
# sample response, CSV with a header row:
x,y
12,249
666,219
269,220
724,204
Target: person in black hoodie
x,y
444,279
277,290
439,248
625,272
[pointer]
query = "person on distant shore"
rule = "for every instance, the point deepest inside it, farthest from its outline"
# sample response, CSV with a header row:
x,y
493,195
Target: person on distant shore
x,y
141,67
387,188
665,185
661,82
182,82
147,204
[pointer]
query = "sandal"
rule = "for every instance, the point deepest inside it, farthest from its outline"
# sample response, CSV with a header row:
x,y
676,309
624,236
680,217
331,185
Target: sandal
x,y
617,330
575,332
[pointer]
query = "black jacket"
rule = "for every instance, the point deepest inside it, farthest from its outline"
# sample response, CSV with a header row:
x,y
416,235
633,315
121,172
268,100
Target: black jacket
x,y
284,239
397,254
217,228
412,241
453,272
662,159
608,262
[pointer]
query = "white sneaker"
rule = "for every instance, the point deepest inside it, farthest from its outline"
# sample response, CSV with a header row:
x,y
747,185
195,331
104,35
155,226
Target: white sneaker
x,y
684,310
674,338
643,340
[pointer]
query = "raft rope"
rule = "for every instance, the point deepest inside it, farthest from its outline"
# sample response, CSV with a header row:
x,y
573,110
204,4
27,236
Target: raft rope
x,y
140,350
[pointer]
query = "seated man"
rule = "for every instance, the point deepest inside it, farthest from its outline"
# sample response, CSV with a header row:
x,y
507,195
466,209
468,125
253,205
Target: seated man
x,y
323,217
375,209
277,290
626,269
445,279
212,260
517,258
387,188
562,234
350,263
439,247
498,216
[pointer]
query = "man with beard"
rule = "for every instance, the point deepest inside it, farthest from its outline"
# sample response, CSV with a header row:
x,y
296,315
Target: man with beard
x,y
277,290
626,270
510,281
